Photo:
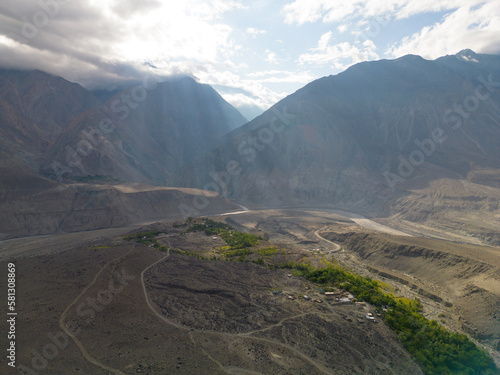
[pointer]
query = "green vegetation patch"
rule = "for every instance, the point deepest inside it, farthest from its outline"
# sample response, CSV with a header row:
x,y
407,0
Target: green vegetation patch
x,y
237,253
268,251
240,240
234,238
435,349
143,237
210,227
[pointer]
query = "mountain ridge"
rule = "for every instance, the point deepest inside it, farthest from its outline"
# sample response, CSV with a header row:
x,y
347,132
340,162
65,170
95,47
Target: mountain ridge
x,y
366,138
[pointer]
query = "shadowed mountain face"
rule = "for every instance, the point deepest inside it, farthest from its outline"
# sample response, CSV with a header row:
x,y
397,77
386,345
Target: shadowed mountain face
x,y
34,109
54,131
144,135
365,136
140,134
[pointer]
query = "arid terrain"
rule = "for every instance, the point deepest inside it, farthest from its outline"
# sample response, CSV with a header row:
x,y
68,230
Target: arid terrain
x,y
346,221
142,310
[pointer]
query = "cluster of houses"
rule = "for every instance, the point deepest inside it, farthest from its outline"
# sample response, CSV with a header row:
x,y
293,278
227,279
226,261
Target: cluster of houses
x,y
340,297
337,297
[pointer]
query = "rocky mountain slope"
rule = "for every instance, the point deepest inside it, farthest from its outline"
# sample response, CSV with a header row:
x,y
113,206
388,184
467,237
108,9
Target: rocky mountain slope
x,y
54,133
144,135
364,138
35,107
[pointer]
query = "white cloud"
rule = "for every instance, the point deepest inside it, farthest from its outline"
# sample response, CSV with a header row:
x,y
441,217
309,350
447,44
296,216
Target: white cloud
x,y
282,76
342,28
255,32
259,95
324,40
239,100
476,28
271,57
340,55
303,11
89,41
470,59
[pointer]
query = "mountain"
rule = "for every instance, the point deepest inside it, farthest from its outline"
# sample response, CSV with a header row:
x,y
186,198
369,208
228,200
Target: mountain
x,y
53,131
144,135
34,109
369,136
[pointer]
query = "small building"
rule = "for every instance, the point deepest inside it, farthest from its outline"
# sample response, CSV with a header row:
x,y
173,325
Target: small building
x,y
370,317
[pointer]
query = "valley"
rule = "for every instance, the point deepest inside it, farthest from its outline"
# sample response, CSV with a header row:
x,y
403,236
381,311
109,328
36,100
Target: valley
x,y
183,311
351,228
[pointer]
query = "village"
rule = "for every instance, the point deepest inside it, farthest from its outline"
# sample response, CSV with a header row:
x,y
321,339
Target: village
x,y
332,298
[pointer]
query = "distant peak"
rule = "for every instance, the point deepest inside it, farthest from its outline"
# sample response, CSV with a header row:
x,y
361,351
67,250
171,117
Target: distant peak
x,y
410,57
467,55
467,52
182,78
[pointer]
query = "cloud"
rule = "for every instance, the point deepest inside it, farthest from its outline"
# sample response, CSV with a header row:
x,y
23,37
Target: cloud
x,y
271,57
95,42
255,32
304,11
340,55
282,76
342,28
238,89
467,27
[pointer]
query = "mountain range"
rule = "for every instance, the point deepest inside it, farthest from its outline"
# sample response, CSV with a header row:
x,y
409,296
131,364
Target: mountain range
x,y
65,155
373,129
410,140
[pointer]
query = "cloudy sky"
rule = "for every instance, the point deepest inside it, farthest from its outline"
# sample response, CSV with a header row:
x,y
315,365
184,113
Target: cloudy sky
x,y
253,52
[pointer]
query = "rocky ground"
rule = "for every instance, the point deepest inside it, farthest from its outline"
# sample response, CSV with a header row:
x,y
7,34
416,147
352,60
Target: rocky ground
x,y
177,313
140,310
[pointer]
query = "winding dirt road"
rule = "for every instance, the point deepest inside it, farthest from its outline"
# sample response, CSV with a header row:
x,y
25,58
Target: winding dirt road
x,y
78,343
337,246
228,370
